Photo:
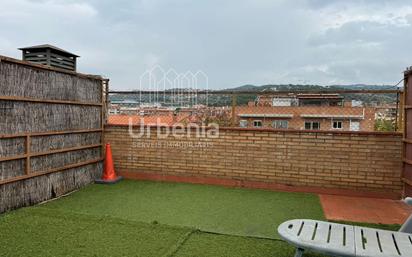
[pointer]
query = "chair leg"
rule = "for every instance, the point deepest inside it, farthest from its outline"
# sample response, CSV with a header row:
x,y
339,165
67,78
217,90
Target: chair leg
x,y
299,252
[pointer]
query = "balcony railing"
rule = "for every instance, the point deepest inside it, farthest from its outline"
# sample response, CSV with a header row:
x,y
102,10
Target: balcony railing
x,y
325,110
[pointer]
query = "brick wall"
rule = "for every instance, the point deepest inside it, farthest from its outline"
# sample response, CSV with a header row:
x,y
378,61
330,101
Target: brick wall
x,y
325,162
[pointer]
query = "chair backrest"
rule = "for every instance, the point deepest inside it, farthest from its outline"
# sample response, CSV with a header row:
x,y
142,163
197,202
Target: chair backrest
x,y
407,226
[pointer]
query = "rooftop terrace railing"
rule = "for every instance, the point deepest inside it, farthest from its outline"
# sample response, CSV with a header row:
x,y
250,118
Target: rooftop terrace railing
x,y
317,109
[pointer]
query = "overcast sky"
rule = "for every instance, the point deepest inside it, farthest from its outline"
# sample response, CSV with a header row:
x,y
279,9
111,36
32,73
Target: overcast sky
x,y
234,42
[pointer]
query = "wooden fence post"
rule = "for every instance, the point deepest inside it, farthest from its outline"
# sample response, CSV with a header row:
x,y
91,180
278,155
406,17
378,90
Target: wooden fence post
x,y
28,146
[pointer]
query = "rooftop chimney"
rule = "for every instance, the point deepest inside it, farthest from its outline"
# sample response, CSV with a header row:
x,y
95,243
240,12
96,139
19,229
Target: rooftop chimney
x,y
51,56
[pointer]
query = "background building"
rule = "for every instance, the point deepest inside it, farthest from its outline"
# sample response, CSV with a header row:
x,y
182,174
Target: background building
x,y
306,111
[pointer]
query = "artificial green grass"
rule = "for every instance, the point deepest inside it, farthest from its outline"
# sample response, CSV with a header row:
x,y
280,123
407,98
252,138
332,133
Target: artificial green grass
x,y
35,232
202,244
208,208
128,219
38,232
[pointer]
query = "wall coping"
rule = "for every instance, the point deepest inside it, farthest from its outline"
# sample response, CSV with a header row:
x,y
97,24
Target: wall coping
x,y
286,131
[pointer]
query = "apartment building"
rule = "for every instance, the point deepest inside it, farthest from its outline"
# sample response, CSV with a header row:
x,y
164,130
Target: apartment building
x,y
306,112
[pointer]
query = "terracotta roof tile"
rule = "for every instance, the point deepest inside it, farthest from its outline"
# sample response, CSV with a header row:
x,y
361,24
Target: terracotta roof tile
x,y
163,119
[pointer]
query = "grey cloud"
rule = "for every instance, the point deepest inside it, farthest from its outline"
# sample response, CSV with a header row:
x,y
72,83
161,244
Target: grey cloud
x,y
355,32
333,3
233,42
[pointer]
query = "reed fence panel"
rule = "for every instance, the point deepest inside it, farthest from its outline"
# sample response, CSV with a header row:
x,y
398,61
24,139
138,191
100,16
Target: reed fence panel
x,y
51,131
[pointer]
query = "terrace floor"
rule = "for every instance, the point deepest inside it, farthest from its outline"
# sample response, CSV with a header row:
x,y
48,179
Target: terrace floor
x,y
360,209
136,218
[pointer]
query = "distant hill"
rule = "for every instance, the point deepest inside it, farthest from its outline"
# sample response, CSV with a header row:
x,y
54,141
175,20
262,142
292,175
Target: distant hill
x,y
293,87
245,88
364,87
243,99
368,99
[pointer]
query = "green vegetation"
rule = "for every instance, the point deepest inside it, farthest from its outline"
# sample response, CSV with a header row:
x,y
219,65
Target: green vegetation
x,y
140,218
384,125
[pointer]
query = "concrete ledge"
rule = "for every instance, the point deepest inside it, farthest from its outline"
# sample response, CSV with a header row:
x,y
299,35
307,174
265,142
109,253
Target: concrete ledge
x,y
256,185
292,131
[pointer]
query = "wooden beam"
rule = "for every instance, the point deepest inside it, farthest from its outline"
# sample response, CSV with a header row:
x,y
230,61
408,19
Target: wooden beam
x,y
36,174
52,133
407,161
105,90
407,181
407,140
64,150
28,151
33,100
13,158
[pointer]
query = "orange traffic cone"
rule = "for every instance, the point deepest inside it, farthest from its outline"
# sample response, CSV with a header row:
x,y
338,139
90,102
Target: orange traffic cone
x,y
109,175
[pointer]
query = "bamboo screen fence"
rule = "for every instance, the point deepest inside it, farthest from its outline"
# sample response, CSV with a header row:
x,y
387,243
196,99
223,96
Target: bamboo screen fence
x,y
51,131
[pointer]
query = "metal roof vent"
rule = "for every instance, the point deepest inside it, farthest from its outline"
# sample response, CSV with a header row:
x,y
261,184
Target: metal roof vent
x,y
51,56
